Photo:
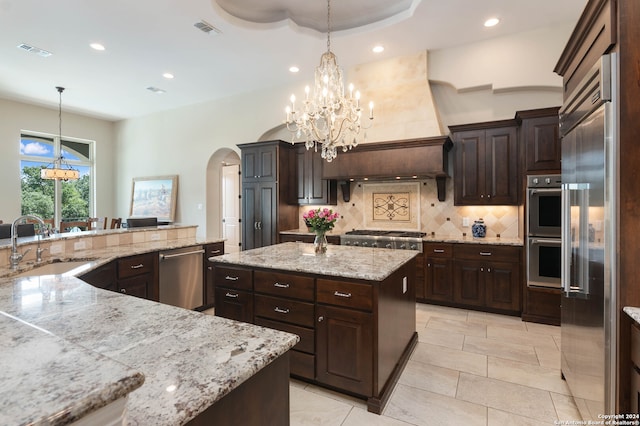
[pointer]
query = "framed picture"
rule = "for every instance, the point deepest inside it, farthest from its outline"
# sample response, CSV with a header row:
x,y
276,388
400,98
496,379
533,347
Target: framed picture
x,y
154,197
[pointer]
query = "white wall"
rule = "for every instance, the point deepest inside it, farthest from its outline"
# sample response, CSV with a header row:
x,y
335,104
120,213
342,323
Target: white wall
x,y
18,117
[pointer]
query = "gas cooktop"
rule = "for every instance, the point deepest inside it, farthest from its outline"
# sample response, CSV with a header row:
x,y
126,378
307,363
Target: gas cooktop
x,y
381,233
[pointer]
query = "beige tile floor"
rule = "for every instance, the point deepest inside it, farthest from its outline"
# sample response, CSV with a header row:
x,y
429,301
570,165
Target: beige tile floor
x,y
469,368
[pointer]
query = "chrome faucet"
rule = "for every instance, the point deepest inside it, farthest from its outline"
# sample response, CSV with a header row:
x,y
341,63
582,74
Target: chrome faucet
x,y
16,257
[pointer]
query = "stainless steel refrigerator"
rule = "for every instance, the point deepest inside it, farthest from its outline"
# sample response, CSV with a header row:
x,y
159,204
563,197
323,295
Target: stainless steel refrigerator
x,y
588,324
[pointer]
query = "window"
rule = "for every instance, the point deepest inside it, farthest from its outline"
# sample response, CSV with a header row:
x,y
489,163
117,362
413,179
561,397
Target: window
x,y
51,199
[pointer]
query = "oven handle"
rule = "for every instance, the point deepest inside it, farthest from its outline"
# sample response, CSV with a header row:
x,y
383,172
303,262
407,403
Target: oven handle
x,y
544,190
534,241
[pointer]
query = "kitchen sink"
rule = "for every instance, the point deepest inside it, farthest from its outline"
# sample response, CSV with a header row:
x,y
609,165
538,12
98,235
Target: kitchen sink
x,y
60,267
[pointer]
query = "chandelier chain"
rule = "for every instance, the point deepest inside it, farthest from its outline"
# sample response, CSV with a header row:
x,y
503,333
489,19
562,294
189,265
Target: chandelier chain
x,y
328,25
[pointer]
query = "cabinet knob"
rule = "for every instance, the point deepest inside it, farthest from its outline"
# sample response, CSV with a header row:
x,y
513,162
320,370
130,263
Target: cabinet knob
x,y
210,268
320,318
489,196
429,265
481,269
488,269
482,196
123,290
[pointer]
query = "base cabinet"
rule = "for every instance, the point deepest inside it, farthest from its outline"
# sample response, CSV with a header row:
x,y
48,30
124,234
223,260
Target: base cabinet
x,y
438,267
134,275
210,250
345,355
355,335
488,277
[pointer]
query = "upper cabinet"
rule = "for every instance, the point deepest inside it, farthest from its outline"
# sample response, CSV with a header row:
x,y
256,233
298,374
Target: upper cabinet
x,y
540,139
311,188
486,163
268,206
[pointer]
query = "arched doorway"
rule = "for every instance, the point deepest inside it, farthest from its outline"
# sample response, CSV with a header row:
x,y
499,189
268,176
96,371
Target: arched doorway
x,y
223,198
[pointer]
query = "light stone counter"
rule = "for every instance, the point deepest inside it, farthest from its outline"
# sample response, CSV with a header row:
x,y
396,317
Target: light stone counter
x,y
436,238
373,264
68,348
633,312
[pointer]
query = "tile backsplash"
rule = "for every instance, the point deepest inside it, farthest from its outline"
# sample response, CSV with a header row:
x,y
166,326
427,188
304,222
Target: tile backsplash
x,y
441,218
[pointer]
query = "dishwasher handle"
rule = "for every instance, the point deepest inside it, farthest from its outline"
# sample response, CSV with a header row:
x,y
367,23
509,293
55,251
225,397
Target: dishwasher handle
x,y
188,253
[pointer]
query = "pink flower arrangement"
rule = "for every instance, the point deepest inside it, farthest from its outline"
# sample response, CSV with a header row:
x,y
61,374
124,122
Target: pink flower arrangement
x,y
320,220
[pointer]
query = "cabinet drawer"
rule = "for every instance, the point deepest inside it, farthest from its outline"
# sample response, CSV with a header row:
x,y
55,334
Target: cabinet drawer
x,y
307,336
438,250
234,304
241,279
287,310
303,365
135,265
214,249
284,285
487,252
635,345
341,293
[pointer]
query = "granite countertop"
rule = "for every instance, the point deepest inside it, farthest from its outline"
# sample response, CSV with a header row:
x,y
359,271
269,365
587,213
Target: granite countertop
x,y
436,238
69,348
633,312
373,264
99,256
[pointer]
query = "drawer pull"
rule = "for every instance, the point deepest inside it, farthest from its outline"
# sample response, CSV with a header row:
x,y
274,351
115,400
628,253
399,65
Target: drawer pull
x,y
123,290
438,250
339,294
138,266
231,278
215,251
485,253
233,296
279,285
280,310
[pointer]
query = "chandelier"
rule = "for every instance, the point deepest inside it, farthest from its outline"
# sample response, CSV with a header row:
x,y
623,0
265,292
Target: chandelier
x,y
60,170
327,117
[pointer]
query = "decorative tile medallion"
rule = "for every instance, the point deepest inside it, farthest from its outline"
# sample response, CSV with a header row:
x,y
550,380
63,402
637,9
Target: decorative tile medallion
x,y
392,205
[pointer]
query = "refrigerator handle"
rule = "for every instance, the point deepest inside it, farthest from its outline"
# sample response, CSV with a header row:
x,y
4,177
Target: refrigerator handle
x,y
566,238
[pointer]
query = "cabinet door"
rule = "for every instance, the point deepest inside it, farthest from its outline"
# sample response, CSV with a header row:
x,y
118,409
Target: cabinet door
x,y
469,179
503,287
311,188
468,282
268,216
344,357
259,163
501,166
439,285
102,277
542,143
136,286
234,304
250,215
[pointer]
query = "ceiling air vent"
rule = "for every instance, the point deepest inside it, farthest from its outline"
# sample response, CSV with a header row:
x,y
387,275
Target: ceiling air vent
x,y
156,90
206,27
35,50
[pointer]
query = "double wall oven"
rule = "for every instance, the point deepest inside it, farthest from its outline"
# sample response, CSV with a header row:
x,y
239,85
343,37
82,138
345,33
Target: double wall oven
x,y
544,216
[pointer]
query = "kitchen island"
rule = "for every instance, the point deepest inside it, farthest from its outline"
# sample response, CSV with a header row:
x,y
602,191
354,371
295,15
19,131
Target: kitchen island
x,y
70,349
353,308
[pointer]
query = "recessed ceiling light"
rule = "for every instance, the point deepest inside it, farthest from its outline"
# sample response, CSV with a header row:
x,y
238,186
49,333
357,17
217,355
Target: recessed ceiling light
x,y
97,46
167,75
294,69
378,49
491,22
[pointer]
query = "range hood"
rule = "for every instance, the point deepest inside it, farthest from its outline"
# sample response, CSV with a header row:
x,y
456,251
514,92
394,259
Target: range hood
x,y
405,159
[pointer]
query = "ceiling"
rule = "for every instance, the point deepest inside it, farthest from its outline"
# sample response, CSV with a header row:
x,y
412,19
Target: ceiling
x,y
251,48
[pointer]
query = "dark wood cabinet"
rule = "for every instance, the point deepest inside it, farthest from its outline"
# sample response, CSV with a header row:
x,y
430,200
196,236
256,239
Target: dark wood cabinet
x,y
268,207
311,187
355,335
234,293
540,304
104,277
345,355
540,140
307,238
210,250
438,272
486,163
488,277
138,276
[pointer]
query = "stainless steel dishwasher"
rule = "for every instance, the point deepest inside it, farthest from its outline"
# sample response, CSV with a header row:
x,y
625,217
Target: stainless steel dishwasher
x,y
181,281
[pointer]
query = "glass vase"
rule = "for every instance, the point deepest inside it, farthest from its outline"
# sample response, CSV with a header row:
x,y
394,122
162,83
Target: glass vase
x,y
320,243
